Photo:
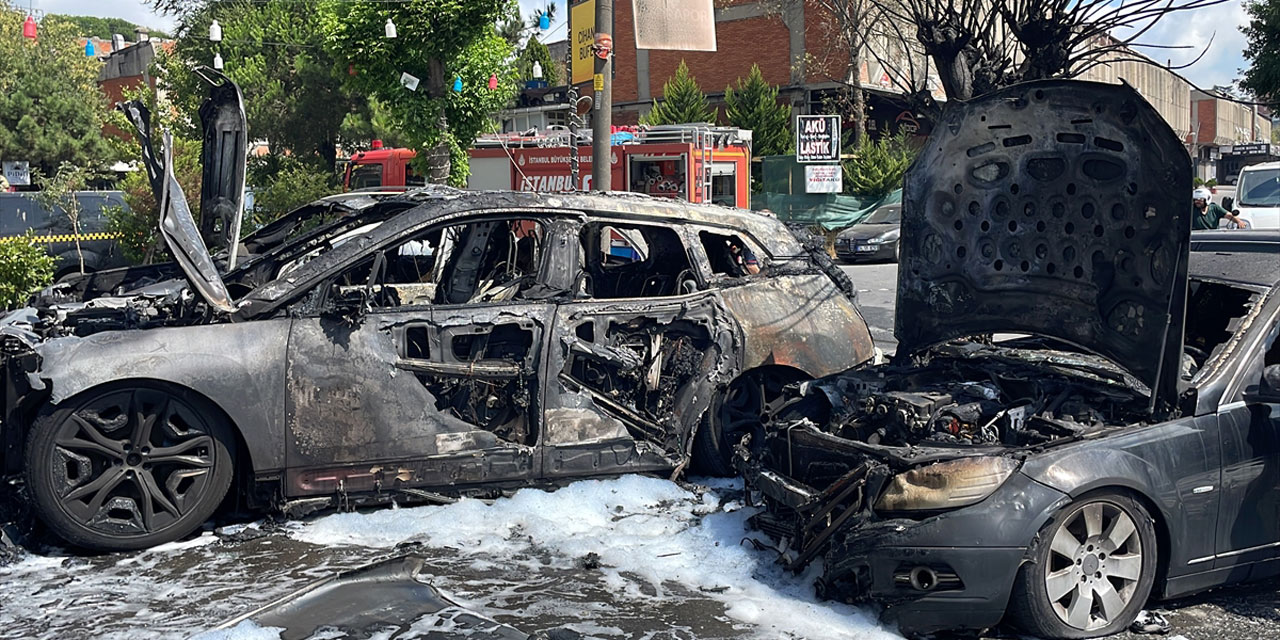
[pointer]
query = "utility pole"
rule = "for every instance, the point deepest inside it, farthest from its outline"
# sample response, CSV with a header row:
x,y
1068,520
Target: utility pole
x,y
602,102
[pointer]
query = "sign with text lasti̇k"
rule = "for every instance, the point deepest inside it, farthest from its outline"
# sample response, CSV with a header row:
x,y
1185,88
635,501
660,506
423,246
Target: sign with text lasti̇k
x,y
582,37
817,138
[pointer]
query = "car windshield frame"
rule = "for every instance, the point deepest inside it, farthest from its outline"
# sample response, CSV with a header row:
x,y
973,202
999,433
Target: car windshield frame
x,y
1253,180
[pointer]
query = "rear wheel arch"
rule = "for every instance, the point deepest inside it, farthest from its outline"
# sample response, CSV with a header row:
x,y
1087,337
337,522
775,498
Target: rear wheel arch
x,y
711,451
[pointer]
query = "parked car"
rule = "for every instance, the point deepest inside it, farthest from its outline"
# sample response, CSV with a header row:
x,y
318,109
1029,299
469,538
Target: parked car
x,y
1123,442
1258,195
874,238
457,342
20,213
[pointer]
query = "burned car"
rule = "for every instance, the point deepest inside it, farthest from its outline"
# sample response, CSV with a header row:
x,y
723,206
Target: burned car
x,y
1082,413
419,346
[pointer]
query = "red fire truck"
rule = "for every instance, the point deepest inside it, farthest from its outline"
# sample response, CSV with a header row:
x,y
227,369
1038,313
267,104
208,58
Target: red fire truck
x,y
381,168
699,163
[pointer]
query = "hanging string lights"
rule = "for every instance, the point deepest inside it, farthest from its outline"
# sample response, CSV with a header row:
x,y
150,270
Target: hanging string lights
x,y
215,32
217,61
29,28
390,29
88,48
493,81
457,83
537,70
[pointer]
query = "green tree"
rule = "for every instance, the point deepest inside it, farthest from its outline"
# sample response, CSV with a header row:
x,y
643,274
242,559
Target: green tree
x,y
58,193
293,86
105,27
51,110
284,184
1262,36
754,105
878,166
438,41
535,51
682,101
25,267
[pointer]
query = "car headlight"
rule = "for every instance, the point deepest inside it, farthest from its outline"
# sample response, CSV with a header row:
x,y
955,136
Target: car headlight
x,y
946,485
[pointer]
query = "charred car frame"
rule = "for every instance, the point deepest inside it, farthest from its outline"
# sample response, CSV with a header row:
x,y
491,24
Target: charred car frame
x,y
1081,413
408,347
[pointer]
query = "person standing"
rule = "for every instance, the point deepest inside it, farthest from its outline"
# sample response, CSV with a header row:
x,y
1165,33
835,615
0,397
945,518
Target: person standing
x,y
1206,214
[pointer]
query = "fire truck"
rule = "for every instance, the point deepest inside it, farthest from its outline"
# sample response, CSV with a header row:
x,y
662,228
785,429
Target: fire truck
x,y
698,163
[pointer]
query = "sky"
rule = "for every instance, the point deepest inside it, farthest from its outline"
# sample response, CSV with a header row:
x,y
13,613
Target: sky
x,y
1220,65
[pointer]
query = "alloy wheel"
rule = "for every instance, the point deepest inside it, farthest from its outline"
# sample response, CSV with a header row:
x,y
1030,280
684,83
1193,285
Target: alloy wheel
x,y
1095,564
132,462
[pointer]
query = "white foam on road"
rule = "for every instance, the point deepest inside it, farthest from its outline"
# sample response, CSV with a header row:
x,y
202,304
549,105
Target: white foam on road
x,y
654,539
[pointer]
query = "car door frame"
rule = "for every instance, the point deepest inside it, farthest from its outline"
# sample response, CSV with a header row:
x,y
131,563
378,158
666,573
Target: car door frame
x,y
601,447
456,468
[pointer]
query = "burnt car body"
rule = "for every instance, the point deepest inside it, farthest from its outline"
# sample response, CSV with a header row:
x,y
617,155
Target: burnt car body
x,y
427,343
874,238
1122,441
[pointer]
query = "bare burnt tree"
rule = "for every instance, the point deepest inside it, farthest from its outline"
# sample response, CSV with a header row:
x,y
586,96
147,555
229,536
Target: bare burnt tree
x,y
848,36
978,46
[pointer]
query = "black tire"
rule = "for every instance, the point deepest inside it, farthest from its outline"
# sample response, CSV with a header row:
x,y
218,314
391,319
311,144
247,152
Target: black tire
x,y
1115,565
128,467
741,408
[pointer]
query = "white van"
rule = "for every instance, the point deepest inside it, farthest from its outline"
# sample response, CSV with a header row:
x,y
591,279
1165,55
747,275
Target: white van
x,y
1258,195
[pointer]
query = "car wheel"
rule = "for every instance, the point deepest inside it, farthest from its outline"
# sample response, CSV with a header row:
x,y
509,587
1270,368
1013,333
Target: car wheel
x,y
1091,569
735,411
126,468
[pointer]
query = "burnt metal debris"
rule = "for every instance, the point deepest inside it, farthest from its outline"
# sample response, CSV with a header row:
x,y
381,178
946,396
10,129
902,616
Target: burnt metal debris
x,y
407,346
1060,473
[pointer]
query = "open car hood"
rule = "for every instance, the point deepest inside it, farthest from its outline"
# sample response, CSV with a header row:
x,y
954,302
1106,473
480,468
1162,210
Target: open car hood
x,y
222,186
1053,208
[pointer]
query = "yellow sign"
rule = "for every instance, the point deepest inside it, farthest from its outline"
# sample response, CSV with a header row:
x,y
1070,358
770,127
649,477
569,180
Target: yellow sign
x,y
598,81
582,36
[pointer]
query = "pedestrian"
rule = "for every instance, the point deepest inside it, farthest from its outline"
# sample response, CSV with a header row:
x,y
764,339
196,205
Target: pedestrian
x,y
1206,214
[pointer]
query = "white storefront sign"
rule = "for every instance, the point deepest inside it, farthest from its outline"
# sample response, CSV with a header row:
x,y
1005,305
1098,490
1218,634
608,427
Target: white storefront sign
x,y
823,178
17,172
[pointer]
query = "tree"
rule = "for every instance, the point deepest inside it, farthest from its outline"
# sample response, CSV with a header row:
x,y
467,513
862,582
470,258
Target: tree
x,y
51,110
104,28
1262,34
535,51
878,167
754,105
513,29
284,184
682,101
439,41
58,193
25,267
294,87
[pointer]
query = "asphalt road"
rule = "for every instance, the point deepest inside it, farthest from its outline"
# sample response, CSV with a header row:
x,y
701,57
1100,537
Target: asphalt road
x,y
877,283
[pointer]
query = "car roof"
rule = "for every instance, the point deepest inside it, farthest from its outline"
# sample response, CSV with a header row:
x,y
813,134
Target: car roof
x,y
1257,269
620,203
1261,166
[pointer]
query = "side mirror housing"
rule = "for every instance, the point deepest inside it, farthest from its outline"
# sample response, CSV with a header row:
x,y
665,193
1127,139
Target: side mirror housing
x,y
1229,204
347,304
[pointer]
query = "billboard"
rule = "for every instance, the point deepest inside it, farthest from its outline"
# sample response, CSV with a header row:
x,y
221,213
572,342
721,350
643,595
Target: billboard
x,y
681,25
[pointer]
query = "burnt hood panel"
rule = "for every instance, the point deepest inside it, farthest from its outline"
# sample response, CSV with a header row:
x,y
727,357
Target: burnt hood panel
x,y
1056,208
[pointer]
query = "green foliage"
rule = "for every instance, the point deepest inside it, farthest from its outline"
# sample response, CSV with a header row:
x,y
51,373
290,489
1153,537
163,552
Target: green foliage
x,y
51,110
25,267
104,27
536,51
438,41
754,105
682,101
284,183
1197,181
139,226
1211,182
878,166
1262,35
293,86
58,192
